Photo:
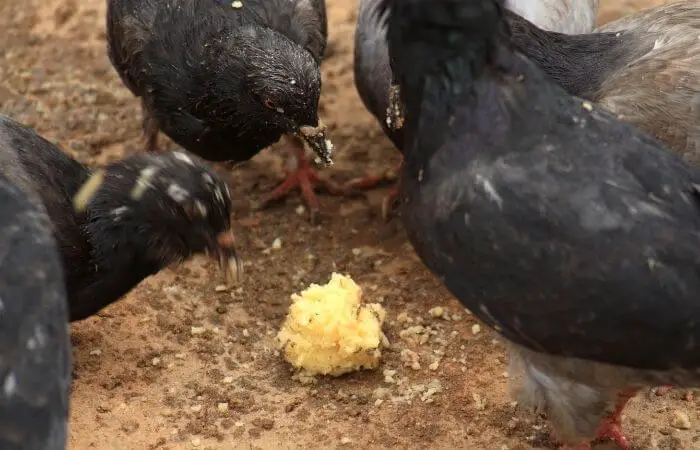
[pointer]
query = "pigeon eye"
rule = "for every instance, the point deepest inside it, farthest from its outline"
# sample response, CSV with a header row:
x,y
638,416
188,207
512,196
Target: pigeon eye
x,y
269,104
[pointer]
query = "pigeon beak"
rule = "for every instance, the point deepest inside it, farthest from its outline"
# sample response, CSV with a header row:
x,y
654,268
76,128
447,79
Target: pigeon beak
x,y
227,257
320,144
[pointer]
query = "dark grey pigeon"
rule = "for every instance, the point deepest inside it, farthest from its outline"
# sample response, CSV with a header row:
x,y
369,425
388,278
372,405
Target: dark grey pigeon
x,y
35,359
572,234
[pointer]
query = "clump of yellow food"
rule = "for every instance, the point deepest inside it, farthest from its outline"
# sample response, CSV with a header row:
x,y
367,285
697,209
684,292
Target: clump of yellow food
x,y
328,331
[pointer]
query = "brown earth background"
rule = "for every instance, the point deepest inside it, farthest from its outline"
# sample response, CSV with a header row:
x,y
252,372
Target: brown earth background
x,y
143,380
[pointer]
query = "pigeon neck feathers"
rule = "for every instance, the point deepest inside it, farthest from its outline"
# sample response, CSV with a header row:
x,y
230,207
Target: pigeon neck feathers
x,y
438,51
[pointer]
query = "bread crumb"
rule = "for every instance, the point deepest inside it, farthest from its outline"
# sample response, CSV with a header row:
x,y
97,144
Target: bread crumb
x,y
410,358
329,331
437,311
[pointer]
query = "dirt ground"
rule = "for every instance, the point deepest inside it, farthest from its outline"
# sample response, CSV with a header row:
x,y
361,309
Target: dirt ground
x,y
144,380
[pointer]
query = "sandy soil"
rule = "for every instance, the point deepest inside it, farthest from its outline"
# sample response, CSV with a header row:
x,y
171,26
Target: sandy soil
x,y
143,380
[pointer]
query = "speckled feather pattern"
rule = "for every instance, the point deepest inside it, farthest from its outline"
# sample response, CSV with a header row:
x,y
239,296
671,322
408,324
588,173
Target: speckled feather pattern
x,y
660,91
35,360
645,68
183,206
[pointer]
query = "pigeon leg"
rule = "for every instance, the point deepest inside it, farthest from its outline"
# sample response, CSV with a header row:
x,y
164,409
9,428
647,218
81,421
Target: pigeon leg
x,y
150,129
371,181
611,428
304,177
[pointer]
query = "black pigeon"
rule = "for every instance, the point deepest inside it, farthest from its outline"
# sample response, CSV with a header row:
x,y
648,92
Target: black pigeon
x,y
574,235
226,79
621,67
35,360
121,224
373,76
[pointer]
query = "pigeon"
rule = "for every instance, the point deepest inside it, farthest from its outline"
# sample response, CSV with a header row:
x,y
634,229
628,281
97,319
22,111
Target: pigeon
x,y
117,225
645,68
572,234
225,80
373,76
35,358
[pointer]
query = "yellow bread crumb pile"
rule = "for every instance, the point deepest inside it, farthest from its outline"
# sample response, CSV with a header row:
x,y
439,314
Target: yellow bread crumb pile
x,y
328,331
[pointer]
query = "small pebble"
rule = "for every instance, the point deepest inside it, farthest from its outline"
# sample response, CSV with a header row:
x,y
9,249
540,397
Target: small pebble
x,y
239,424
300,210
228,380
403,317
179,356
381,393
438,311
356,251
222,407
476,328
196,442
197,330
220,288
237,4
345,440
155,361
277,244
96,352
680,420
389,376
196,408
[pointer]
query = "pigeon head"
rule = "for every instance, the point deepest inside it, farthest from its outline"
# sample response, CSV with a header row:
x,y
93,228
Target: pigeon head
x,y
282,81
159,209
